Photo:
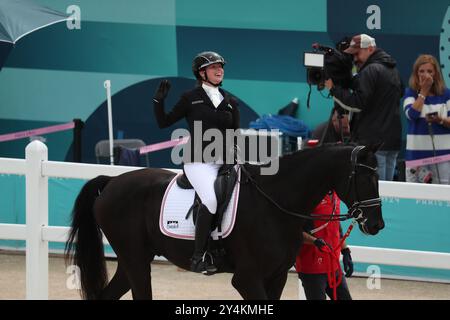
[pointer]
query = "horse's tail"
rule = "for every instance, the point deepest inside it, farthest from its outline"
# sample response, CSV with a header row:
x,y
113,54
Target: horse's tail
x,y
88,252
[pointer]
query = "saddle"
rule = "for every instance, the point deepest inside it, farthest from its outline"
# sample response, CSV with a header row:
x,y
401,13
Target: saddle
x,y
223,188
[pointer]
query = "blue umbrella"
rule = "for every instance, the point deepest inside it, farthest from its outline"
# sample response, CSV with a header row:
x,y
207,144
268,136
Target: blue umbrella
x,y
19,18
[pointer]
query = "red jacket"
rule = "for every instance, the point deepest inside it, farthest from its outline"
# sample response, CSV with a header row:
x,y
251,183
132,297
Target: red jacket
x,y
310,259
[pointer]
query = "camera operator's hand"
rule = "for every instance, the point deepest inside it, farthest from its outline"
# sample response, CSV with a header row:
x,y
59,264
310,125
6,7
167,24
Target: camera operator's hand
x,y
329,84
162,91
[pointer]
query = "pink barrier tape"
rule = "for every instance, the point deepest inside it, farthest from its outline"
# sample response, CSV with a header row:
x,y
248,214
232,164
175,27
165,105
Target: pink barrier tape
x,y
35,132
163,145
427,161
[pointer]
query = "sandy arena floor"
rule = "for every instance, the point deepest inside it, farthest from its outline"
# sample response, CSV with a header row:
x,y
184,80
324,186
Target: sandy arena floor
x,y
171,283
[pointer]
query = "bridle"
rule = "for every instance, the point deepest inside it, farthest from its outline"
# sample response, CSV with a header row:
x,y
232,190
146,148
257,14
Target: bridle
x,y
356,210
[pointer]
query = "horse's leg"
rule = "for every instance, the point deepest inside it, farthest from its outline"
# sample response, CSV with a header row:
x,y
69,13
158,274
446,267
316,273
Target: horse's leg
x,y
118,285
138,272
249,285
275,286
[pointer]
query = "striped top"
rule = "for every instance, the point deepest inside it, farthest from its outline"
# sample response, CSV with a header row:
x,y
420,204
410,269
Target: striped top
x,y
418,139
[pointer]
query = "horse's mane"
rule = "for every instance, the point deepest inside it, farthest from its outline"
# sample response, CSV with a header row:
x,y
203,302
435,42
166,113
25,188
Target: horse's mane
x,y
301,155
307,151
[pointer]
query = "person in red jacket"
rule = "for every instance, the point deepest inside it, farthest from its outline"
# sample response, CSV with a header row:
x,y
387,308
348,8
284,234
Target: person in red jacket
x,y
314,261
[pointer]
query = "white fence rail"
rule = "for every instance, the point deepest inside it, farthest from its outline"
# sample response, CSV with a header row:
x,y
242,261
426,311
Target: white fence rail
x,y
38,233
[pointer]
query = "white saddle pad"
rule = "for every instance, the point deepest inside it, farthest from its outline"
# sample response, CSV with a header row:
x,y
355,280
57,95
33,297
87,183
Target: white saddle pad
x,y
175,205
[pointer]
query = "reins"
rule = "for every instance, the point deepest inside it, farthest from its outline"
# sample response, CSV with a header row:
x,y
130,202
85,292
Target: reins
x,y
355,210
287,211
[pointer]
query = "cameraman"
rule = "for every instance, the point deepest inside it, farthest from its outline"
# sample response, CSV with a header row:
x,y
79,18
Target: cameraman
x,y
375,101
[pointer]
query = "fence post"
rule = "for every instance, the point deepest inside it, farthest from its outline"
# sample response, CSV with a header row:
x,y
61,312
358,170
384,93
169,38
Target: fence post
x,y
77,140
36,187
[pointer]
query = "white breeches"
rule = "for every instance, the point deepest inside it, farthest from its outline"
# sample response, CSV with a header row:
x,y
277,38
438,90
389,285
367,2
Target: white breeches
x,y
202,177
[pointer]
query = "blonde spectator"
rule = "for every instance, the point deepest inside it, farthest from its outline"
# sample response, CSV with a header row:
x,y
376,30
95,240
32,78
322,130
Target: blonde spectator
x,y
427,108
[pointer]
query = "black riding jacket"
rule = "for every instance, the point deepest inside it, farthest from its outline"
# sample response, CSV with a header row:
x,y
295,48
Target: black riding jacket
x,y
195,105
377,90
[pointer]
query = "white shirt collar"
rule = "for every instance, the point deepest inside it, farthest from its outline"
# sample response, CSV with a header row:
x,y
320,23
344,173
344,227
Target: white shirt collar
x,y
214,94
210,89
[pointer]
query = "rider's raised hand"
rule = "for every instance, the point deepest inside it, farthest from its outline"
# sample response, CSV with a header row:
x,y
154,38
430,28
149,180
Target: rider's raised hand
x,y
162,91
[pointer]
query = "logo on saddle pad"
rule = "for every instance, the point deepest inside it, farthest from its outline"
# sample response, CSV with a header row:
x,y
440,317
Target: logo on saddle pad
x,y
176,204
172,224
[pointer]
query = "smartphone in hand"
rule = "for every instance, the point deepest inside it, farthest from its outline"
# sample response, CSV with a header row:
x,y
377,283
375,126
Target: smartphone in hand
x,y
430,116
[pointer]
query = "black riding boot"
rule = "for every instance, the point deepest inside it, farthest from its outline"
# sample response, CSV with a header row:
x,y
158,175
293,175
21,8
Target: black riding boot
x,y
202,261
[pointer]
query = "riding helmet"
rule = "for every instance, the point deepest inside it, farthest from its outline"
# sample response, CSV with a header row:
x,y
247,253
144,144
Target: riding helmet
x,y
204,59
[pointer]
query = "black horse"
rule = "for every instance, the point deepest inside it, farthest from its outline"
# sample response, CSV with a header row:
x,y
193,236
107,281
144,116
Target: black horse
x,y
263,244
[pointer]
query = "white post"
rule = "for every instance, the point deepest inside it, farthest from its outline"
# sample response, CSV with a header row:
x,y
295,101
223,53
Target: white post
x,y
36,217
107,85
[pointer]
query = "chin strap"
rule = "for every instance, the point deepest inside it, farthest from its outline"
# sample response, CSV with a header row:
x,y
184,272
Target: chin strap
x,y
213,84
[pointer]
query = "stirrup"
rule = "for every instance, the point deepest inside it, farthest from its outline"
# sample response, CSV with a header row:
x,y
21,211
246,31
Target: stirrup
x,y
203,266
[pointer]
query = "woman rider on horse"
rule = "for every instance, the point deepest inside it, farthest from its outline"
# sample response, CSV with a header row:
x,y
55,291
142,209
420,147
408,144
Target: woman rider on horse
x,y
213,108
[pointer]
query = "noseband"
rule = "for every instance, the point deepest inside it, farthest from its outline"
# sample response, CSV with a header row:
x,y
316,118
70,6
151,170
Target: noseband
x,y
356,210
